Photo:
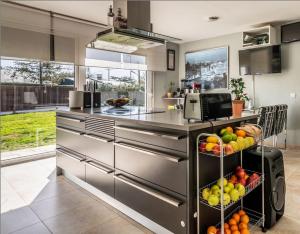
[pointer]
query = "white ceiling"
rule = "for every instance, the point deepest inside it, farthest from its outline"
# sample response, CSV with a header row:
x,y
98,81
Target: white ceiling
x,y
188,19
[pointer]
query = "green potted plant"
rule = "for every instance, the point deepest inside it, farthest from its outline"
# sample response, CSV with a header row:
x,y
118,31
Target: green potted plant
x,y
171,89
237,86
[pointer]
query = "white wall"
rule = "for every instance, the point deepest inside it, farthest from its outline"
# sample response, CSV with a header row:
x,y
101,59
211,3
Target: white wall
x,y
270,89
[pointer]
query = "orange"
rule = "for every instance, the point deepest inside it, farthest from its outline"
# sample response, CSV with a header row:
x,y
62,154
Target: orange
x,y
232,222
234,228
243,226
227,231
235,232
229,129
244,231
240,133
211,230
236,217
226,226
241,212
245,219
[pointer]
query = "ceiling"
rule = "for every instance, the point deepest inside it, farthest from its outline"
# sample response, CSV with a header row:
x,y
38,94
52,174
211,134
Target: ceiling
x,y
188,19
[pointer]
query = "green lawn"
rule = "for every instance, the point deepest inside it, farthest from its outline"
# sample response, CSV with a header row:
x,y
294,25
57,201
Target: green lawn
x,y
19,131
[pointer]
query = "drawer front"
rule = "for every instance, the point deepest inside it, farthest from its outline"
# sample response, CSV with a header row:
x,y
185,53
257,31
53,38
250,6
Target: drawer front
x,y
71,121
171,140
98,148
71,162
69,138
166,210
163,169
100,176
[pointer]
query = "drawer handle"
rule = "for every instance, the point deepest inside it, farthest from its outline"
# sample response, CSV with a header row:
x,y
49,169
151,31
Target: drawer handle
x,y
166,198
68,131
150,152
145,132
105,140
70,119
99,168
70,156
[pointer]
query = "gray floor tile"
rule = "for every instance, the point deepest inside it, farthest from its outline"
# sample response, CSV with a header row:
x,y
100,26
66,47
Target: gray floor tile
x,y
17,219
37,228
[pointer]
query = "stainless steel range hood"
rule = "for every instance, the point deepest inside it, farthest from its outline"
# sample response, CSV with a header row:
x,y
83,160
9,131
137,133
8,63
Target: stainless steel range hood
x,y
138,33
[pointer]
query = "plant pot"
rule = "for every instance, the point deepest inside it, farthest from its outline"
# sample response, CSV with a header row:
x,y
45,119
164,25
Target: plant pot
x,y
237,107
169,95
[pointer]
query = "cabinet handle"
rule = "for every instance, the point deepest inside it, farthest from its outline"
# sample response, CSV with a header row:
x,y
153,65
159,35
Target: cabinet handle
x,y
150,152
70,119
73,157
105,140
154,193
99,168
145,132
68,131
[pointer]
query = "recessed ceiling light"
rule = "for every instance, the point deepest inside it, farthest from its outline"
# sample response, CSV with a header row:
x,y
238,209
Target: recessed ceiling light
x,y
213,18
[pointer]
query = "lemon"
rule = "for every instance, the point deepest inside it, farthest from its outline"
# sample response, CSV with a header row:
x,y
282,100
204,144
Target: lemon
x,y
212,139
209,146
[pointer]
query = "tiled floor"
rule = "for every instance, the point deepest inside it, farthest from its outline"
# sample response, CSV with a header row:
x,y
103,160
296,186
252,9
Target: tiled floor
x,y
35,201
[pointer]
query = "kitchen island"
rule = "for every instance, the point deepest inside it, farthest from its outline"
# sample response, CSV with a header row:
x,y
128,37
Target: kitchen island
x,y
143,163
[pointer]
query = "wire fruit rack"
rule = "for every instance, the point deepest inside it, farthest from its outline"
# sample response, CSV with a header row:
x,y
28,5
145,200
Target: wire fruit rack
x,y
256,218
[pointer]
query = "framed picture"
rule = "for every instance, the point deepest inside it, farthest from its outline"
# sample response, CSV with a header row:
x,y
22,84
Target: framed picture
x,y
208,67
171,60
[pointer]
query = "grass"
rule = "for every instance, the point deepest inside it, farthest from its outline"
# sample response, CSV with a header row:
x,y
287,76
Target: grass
x,y
19,131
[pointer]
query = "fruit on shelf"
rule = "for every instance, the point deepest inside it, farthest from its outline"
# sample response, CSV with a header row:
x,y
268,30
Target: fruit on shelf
x,y
222,181
245,219
216,150
215,187
253,180
227,189
227,138
202,147
241,189
211,230
209,146
229,129
234,195
237,217
241,143
213,200
234,137
240,172
226,199
205,193
240,133
212,139
229,149
233,179
242,181
230,185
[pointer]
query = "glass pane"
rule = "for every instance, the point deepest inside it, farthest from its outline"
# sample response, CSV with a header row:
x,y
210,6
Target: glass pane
x,y
57,74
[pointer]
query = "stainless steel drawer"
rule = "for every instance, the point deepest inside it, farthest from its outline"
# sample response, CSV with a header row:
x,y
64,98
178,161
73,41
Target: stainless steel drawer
x,y
71,162
164,209
168,139
98,148
163,169
69,138
71,121
100,176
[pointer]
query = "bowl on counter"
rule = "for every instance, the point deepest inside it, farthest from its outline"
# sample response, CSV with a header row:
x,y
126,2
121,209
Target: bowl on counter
x,y
117,102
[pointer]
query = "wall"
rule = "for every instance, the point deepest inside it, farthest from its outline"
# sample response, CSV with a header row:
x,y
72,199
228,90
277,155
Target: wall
x,y
270,89
162,80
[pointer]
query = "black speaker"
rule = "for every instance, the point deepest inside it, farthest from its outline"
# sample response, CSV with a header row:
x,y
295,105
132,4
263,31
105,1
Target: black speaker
x,y
274,195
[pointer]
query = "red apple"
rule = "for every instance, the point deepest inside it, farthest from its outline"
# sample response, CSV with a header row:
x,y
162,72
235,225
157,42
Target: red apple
x,y
216,150
229,149
202,147
240,172
242,181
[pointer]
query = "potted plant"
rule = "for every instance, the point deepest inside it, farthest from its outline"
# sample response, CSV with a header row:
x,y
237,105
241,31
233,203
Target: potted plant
x,y
238,87
170,90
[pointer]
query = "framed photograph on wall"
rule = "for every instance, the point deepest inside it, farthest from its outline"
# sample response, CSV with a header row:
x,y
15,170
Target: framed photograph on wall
x,y
208,67
171,60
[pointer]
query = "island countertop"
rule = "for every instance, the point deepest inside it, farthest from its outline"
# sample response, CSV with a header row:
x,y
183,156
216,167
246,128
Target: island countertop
x,y
172,119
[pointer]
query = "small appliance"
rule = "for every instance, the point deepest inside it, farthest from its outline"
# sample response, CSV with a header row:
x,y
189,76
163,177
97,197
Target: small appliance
x,y
82,99
207,106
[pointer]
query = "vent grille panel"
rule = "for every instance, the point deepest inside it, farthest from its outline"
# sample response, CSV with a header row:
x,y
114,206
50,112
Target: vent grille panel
x,y
100,126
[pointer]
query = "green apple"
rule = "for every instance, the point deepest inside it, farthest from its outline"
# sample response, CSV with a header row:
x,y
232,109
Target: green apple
x,y
219,183
241,189
234,195
213,200
227,189
216,192
215,187
205,193
226,199
230,185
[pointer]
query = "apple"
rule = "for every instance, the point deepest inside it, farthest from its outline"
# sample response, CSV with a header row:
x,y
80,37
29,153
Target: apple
x,y
216,150
242,181
234,195
202,147
233,179
241,189
230,185
226,199
253,180
240,172
219,182
205,193
213,200
229,149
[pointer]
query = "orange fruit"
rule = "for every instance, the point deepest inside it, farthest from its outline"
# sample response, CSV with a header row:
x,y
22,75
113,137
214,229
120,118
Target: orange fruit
x,y
241,212
232,222
226,226
240,133
235,232
245,219
234,228
236,217
211,230
227,231
243,226
229,129
244,231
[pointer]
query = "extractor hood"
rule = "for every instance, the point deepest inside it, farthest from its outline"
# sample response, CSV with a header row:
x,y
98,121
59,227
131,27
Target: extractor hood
x,y
136,34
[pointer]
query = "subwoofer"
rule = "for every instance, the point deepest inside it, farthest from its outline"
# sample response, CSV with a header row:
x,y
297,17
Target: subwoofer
x,y
274,184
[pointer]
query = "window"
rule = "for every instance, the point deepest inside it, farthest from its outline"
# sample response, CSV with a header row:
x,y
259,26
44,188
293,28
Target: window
x,y
56,74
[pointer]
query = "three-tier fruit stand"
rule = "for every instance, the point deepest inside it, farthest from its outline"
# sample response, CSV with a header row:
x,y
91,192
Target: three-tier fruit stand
x,y
256,218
